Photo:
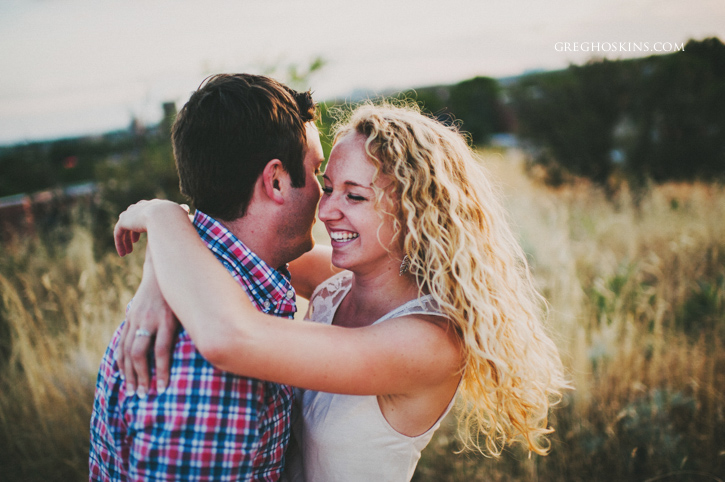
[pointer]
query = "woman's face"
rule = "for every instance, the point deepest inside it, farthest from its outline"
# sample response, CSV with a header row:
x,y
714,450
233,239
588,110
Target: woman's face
x,y
361,234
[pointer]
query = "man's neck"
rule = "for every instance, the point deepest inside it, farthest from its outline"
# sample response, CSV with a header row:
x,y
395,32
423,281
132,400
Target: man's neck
x,y
258,236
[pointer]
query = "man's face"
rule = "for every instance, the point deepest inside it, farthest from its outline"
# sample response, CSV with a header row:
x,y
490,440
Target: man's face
x,y
296,231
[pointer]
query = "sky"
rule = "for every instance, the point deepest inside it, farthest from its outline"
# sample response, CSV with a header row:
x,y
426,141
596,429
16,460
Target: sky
x,y
77,67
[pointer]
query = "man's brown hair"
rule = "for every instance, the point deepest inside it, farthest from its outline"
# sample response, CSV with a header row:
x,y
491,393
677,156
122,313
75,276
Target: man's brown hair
x,y
228,131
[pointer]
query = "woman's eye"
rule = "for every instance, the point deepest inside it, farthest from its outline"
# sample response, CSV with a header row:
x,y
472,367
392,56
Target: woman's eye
x,y
326,190
354,197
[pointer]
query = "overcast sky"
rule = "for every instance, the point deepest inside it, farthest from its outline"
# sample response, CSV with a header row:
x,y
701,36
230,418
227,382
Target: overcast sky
x,y
71,67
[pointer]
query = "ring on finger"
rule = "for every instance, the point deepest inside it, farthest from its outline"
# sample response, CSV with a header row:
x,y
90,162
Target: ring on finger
x,y
142,332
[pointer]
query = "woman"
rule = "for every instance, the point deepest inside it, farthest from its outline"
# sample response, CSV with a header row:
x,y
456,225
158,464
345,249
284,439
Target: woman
x,y
435,287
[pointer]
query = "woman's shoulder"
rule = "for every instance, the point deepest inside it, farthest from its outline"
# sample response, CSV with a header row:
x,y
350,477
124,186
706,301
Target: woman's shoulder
x,y
335,283
327,297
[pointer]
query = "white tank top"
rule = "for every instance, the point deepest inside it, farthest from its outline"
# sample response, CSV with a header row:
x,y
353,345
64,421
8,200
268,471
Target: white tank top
x,y
346,437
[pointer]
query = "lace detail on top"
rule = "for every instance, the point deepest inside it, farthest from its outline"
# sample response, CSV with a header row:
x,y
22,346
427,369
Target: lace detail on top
x,y
327,298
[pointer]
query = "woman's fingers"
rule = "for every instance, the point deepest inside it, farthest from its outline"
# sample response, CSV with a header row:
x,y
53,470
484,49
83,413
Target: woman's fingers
x,y
137,345
132,222
127,366
129,227
162,352
124,239
119,351
139,360
118,240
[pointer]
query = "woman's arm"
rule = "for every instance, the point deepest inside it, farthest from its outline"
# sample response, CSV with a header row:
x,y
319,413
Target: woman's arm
x,y
151,314
396,357
308,271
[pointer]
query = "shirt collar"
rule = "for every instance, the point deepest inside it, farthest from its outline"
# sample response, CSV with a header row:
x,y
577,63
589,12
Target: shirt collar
x,y
269,288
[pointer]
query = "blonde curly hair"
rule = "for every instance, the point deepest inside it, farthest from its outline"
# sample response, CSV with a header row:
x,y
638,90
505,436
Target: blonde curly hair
x,y
463,252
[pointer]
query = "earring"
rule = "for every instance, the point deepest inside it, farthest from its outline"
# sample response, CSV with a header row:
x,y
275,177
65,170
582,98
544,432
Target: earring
x,y
405,265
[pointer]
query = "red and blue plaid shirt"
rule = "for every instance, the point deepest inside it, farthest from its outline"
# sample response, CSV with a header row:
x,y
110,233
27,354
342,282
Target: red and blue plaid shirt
x,y
208,424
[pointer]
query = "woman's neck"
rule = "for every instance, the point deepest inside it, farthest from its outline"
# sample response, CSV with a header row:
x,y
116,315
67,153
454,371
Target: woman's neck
x,y
372,295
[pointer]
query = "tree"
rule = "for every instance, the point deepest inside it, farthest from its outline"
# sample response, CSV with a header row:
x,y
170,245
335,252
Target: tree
x,y
660,117
475,103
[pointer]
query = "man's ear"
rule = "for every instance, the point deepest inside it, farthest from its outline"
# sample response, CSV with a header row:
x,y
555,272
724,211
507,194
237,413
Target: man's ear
x,y
275,180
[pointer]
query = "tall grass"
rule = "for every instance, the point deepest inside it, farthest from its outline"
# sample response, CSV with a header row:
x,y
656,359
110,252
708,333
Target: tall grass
x,y
59,309
637,307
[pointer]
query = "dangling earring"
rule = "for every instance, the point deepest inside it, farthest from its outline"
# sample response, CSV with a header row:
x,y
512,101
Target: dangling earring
x,y
405,265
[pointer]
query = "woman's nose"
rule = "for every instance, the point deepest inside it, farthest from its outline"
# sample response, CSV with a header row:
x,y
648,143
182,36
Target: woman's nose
x,y
328,209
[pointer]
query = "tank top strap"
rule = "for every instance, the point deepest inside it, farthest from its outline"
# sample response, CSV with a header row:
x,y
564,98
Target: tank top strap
x,y
327,297
425,305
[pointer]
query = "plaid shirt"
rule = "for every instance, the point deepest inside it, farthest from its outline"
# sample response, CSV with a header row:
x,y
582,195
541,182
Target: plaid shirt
x,y
208,424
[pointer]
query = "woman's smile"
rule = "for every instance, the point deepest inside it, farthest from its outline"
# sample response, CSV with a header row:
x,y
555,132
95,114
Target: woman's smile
x,y
342,237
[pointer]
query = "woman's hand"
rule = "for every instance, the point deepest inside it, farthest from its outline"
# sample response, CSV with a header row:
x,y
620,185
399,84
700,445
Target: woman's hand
x,y
149,319
149,316
133,221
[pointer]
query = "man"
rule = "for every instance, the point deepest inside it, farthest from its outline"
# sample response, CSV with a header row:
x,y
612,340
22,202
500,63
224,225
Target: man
x,y
247,153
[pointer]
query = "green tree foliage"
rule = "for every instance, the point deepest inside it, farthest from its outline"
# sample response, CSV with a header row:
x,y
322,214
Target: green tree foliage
x,y
678,114
570,116
32,167
147,171
476,103
660,118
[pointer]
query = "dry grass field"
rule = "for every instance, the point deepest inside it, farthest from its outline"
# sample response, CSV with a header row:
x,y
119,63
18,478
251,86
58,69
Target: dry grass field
x,y
637,307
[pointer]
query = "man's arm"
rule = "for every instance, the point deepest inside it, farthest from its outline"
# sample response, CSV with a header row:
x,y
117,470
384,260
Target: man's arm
x,y
311,269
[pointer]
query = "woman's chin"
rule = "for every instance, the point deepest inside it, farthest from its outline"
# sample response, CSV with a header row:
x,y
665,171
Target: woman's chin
x,y
342,260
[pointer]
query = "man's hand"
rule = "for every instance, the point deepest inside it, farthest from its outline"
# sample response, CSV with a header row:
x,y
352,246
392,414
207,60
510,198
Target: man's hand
x,y
149,318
